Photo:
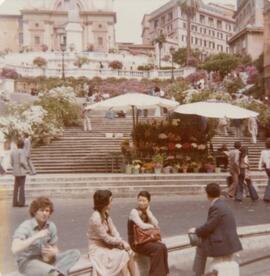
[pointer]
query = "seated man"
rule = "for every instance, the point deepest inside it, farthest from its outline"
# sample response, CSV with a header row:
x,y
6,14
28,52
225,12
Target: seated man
x,y
34,244
218,234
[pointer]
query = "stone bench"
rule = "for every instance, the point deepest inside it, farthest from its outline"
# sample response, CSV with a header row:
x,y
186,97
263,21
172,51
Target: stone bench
x,y
181,253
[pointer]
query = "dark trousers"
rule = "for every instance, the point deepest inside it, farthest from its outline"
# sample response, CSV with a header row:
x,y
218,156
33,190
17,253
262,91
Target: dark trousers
x,y
267,190
18,192
199,261
158,253
240,186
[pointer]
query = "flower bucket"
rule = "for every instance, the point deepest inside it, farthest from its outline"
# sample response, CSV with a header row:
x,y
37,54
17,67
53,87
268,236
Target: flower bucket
x,y
167,170
128,169
135,170
158,170
218,170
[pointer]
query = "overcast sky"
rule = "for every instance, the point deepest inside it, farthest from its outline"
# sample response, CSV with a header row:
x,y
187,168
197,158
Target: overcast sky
x,y
130,14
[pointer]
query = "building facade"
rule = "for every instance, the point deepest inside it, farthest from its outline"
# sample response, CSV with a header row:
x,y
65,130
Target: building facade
x,y
45,24
266,46
211,28
248,37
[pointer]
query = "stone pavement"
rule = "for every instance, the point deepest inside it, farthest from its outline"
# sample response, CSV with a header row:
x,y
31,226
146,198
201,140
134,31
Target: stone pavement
x,y
176,215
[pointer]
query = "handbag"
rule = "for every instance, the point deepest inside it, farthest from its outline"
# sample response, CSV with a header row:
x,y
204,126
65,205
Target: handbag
x,y
142,236
194,239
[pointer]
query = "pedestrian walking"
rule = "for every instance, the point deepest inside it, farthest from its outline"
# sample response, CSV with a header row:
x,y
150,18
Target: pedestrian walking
x,y
27,149
264,164
86,119
237,123
35,244
245,182
218,234
20,170
234,156
223,126
253,129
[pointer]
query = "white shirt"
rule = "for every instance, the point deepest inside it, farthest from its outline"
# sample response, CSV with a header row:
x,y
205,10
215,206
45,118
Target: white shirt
x,y
264,159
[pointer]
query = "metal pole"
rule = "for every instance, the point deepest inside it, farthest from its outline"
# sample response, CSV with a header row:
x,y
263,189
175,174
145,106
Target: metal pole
x,y
63,65
172,79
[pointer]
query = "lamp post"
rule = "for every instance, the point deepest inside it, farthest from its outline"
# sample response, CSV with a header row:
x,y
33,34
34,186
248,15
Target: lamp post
x,y
172,52
63,49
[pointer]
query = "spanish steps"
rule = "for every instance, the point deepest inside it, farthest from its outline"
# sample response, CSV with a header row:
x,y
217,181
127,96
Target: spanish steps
x,y
75,165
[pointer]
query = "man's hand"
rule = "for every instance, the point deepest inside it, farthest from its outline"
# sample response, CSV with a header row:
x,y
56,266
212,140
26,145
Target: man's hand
x,y
192,230
50,251
126,246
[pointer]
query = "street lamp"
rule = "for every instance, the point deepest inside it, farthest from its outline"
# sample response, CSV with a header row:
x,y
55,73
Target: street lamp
x,y
172,50
63,47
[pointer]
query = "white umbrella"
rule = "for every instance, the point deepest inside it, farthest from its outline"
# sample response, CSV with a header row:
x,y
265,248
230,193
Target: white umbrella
x,y
215,110
133,100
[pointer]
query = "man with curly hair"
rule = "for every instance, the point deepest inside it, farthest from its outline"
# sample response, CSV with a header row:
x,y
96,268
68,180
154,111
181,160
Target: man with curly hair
x,y
34,244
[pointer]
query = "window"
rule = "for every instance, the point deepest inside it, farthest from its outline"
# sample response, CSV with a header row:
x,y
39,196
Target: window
x,y
100,26
170,16
156,24
184,25
162,20
211,21
37,25
219,24
202,19
100,41
37,40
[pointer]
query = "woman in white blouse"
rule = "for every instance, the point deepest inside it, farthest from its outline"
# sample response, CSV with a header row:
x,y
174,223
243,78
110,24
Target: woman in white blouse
x,y
156,250
109,253
264,163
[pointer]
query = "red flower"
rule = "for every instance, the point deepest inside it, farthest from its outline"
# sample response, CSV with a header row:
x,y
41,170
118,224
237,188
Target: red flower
x,y
186,146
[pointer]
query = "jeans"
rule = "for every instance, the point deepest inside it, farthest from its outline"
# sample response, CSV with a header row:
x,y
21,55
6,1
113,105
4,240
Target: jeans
x,y
240,186
63,263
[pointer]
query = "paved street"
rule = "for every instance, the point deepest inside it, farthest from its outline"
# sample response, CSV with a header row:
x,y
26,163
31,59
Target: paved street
x,y
176,215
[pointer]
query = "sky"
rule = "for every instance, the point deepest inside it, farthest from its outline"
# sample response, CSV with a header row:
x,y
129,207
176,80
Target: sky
x,y
130,14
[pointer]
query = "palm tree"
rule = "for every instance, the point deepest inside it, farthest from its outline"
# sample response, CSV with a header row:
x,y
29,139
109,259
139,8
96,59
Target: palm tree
x,y
189,8
160,40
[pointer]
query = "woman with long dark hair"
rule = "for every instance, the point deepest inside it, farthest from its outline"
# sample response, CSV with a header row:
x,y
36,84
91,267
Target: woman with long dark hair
x,y
156,250
108,252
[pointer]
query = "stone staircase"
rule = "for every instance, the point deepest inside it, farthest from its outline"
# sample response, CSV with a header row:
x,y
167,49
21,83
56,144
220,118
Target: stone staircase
x,y
122,185
92,152
85,152
254,150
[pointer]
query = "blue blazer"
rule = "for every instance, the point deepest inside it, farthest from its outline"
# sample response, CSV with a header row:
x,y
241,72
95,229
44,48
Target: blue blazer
x,y
219,235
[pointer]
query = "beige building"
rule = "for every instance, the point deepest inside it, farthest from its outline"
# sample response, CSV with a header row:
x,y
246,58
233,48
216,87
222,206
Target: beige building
x,y
83,24
266,46
248,37
211,28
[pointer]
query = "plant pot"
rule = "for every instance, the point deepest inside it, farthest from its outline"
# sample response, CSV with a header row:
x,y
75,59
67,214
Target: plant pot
x,y
128,169
174,170
135,171
218,170
158,170
184,170
196,170
167,170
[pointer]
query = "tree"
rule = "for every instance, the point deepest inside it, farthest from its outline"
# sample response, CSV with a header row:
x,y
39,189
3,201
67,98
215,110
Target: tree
x,y
222,63
40,62
180,56
189,8
116,65
160,40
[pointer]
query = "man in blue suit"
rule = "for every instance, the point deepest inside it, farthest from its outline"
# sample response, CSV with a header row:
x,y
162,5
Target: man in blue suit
x,y
219,234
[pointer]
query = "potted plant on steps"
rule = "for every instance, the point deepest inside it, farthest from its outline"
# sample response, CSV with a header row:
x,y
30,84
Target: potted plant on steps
x,y
158,162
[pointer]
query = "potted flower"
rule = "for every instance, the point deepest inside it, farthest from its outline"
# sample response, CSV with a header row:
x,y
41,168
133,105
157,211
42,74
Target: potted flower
x,y
210,164
158,162
147,167
136,166
194,166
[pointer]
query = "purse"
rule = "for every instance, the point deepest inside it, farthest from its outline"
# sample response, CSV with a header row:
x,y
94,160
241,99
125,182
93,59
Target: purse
x,y
194,239
142,236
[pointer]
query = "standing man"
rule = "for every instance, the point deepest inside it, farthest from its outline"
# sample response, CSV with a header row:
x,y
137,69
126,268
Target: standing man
x,y
20,168
234,161
27,149
219,235
34,244
264,164
86,119
253,128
